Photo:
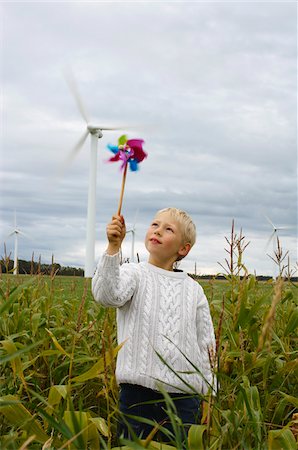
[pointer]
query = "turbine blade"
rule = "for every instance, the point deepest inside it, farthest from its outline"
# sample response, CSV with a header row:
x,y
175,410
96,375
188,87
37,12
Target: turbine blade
x,y
78,146
71,156
115,128
122,126
104,128
270,240
272,224
72,84
25,235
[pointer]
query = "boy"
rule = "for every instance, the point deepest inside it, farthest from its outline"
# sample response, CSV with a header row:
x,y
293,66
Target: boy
x,y
163,315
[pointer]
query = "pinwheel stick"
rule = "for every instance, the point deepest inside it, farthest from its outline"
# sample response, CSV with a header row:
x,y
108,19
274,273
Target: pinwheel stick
x,y
131,153
122,189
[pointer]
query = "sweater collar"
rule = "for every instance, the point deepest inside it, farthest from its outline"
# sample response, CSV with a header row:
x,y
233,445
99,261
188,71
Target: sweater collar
x,y
166,273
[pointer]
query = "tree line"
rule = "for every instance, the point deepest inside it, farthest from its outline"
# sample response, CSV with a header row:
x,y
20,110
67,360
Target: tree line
x,y
35,268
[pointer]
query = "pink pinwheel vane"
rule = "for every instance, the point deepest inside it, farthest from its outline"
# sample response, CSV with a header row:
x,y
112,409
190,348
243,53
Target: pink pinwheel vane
x,y
130,152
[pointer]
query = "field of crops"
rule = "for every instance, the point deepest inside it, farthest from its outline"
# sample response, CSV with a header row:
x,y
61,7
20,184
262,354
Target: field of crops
x,y
58,353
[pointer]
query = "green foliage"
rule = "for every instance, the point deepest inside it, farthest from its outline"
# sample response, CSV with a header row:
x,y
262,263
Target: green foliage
x,y
54,338
57,355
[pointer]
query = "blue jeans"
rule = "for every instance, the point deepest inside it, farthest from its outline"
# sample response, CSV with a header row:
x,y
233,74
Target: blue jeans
x,y
132,401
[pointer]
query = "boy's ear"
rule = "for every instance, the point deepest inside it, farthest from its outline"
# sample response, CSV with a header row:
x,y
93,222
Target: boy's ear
x,y
184,250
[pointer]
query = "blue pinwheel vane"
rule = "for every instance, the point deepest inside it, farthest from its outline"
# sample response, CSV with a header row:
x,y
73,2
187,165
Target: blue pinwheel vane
x,y
130,152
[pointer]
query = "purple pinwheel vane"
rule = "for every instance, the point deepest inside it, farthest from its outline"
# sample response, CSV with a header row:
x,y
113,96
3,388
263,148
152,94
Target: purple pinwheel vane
x,y
129,151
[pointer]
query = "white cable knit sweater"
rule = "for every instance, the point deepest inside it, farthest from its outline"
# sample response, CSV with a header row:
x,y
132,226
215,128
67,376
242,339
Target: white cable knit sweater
x,y
162,312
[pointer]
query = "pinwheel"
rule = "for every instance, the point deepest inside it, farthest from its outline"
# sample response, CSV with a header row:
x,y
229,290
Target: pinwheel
x,y
129,152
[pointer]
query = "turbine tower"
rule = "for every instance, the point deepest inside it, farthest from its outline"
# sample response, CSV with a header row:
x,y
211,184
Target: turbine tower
x,y
133,234
95,132
132,230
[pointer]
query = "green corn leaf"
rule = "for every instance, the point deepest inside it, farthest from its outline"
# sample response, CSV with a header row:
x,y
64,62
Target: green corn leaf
x,y
95,370
281,440
56,343
6,304
285,370
255,398
291,399
4,401
35,322
292,323
250,397
18,416
56,393
58,425
50,352
15,291
98,367
16,362
93,437
196,437
279,411
288,295
129,446
141,445
157,446
243,316
100,424
77,422
251,282
2,295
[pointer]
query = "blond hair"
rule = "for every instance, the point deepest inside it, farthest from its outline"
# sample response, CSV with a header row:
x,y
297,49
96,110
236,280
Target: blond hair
x,y
188,228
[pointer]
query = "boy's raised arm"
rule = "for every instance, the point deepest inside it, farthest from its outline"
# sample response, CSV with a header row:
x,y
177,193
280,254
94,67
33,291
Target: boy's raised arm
x,y
112,286
116,231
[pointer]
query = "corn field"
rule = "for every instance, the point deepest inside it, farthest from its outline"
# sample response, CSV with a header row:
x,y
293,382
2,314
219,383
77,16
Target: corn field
x,y
58,351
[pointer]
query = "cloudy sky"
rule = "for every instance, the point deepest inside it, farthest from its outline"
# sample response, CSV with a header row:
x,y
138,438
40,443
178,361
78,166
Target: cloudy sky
x,y
210,87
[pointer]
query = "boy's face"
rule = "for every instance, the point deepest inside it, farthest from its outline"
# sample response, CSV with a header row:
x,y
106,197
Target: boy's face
x,y
164,241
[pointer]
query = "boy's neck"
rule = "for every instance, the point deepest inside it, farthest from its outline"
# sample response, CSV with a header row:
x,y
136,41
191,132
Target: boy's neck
x,y
166,265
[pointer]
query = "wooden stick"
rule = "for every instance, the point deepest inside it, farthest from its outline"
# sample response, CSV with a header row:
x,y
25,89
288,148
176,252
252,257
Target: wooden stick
x,y
122,190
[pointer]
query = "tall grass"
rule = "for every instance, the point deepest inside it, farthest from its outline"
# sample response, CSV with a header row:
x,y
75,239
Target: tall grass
x,y
257,358
58,350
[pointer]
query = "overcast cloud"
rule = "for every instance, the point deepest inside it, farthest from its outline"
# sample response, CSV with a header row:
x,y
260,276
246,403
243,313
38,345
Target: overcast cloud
x,y
213,88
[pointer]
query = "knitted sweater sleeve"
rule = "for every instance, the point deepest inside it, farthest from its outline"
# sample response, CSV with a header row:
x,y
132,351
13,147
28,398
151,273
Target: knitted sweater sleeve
x,y
206,342
113,285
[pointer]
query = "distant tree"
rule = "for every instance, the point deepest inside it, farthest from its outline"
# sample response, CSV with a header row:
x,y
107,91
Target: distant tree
x,y
32,267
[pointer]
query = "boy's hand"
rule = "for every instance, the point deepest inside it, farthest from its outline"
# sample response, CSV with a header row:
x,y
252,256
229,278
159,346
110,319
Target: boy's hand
x,y
116,231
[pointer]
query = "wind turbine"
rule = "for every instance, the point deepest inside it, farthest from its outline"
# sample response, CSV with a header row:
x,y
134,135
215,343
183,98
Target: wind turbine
x,y
132,230
274,232
96,132
16,233
273,235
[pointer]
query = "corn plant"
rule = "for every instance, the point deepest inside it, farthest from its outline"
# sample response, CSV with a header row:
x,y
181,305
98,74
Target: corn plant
x,y
54,363
57,364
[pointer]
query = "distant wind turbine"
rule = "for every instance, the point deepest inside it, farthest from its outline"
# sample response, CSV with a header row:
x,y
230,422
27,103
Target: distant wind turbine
x,y
133,234
274,233
95,132
16,233
132,230
274,239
